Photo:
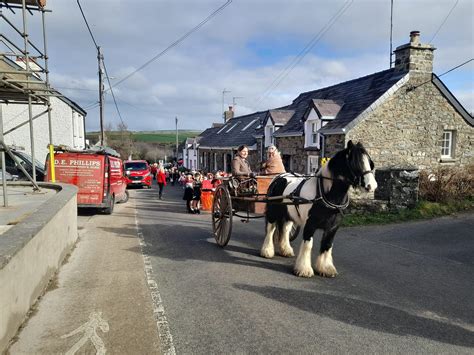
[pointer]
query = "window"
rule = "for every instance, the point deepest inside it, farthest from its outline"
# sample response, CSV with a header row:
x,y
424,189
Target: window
x,y
313,164
81,126
447,144
269,139
251,123
314,135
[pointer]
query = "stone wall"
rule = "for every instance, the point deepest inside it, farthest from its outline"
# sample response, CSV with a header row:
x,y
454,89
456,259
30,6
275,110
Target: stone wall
x,y
406,130
333,143
397,189
294,147
397,186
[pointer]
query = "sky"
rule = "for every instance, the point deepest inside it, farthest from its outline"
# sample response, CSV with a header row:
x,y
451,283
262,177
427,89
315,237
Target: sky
x,y
243,49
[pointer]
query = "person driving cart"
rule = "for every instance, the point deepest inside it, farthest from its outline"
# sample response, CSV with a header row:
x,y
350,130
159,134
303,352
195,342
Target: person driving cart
x,y
240,165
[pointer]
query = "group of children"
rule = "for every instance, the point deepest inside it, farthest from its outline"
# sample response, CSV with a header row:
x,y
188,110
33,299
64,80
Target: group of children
x,y
193,187
192,192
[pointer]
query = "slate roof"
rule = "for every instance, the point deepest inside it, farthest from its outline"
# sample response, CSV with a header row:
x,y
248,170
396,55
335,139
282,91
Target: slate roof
x,y
356,96
237,131
281,117
327,108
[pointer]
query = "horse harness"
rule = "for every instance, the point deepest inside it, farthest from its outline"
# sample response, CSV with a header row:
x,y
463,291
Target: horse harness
x,y
298,200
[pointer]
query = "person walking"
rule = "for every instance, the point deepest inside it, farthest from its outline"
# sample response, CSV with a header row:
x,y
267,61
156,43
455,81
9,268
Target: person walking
x,y
161,180
274,164
188,192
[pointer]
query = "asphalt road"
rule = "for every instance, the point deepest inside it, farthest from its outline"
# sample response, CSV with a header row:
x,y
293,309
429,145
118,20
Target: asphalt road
x,y
405,288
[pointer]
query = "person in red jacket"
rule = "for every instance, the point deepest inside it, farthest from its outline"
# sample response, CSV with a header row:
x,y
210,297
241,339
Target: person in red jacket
x,y
161,180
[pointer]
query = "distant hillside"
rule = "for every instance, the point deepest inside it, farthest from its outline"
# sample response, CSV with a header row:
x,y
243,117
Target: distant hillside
x,y
168,136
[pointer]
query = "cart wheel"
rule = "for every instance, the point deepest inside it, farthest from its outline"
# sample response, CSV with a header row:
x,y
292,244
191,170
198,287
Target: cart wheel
x,y
222,216
295,230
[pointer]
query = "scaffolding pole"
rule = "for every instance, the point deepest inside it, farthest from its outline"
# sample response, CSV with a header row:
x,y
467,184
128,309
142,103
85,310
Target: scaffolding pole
x,y
20,87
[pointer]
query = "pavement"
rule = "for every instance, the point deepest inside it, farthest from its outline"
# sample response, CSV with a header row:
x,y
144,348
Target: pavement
x,y
22,202
100,300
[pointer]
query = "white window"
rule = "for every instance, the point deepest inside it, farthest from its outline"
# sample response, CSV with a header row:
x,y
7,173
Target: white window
x,y
81,126
447,145
74,124
314,134
313,164
269,130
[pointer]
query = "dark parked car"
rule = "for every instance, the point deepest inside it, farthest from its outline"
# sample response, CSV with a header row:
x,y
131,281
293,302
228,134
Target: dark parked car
x,y
8,176
25,160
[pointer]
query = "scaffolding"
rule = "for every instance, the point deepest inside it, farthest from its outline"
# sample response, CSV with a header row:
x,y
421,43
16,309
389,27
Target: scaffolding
x,y
24,76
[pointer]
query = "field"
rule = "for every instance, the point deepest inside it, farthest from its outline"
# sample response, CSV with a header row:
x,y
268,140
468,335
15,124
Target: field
x,y
152,136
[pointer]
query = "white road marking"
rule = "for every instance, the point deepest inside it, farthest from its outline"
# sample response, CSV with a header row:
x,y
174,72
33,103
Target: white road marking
x,y
166,339
90,333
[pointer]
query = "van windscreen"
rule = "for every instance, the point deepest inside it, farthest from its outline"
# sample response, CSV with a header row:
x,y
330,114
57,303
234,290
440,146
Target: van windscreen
x,y
135,166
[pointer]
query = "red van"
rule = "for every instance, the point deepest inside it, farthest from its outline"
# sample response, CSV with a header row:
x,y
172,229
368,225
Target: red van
x,y
138,173
98,173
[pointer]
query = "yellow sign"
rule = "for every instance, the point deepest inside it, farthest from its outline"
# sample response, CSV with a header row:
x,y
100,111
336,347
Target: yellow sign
x,y
324,160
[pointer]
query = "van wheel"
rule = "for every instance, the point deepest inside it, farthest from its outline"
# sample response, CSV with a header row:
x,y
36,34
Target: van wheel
x,y
110,207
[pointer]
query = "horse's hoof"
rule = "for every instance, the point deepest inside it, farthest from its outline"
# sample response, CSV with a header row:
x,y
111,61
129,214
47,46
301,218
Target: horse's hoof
x,y
267,254
304,273
330,272
287,253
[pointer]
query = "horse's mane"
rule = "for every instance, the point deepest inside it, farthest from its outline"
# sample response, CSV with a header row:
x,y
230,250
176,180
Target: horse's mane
x,y
353,154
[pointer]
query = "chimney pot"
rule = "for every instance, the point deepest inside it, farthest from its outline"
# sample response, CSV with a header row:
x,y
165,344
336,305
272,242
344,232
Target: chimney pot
x,y
415,37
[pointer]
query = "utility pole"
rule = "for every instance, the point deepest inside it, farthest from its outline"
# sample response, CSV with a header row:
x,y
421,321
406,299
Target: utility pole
x,y
223,94
176,121
100,58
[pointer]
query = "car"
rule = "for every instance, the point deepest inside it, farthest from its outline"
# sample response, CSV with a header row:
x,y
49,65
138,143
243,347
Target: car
x,y
137,173
8,176
25,160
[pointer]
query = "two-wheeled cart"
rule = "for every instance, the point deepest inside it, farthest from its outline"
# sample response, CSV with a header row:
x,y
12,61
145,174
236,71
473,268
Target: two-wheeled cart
x,y
244,198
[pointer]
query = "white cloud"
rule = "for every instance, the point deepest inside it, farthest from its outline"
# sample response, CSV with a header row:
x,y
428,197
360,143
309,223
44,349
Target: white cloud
x,y
188,81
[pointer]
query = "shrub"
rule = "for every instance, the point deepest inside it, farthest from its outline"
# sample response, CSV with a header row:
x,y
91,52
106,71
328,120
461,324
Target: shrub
x,y
447,184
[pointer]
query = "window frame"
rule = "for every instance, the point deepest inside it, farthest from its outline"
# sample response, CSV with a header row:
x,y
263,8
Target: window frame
x,y
447,144
308,168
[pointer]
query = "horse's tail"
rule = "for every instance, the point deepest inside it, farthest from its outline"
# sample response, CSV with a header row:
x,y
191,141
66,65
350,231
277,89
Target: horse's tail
x,y
276,212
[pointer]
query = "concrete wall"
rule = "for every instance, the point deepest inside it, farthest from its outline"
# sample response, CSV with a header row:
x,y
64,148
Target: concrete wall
x,y
30,254
67,123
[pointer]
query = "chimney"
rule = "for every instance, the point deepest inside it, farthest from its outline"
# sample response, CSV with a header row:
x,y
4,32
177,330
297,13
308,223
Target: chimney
x,y
415,57
229,114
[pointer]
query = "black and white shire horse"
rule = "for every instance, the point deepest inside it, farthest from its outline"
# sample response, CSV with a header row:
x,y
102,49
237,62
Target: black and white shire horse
x,y
326,195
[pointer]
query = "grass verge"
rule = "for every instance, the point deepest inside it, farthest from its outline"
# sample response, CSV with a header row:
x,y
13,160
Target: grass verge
x,y
423,210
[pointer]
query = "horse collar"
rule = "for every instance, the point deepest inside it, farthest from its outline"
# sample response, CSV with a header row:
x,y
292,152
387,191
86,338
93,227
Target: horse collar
x,y
325,201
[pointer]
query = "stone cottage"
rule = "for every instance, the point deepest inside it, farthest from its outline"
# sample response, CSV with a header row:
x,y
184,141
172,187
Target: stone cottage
x,y
405,116
218,145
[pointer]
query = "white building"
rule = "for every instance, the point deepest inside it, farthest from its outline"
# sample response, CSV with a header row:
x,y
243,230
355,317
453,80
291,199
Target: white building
x,y
190,153
67,123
